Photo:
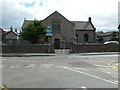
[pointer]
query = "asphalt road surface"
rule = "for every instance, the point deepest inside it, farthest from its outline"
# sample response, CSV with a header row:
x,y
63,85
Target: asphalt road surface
x,y
60,71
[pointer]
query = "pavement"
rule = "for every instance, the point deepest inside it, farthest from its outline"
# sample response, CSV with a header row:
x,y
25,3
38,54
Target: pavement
x,y
26,54
52,54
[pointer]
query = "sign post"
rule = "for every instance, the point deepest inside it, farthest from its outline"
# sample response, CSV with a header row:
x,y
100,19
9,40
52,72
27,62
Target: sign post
x,y
49,35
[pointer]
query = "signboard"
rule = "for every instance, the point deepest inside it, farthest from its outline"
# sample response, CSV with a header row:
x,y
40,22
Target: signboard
x,y
49,32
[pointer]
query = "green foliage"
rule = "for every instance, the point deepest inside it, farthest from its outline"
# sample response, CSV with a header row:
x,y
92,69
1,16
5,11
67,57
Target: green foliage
x,y
33,31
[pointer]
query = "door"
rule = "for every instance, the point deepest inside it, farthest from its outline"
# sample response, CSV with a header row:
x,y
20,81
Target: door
x,y
57,43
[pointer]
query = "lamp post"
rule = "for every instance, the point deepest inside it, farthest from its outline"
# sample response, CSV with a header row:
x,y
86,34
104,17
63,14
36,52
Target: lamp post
x,y
49,35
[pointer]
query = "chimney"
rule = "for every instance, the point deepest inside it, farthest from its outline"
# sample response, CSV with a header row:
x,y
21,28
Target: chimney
x,y
11,28
89,19
16,30
24,19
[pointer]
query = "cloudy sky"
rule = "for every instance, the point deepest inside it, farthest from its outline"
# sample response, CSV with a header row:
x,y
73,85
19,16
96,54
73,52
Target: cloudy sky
x,y
104,13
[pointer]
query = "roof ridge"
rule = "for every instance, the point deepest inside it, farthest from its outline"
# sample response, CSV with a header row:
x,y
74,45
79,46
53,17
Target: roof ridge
x,y
79,21
59,14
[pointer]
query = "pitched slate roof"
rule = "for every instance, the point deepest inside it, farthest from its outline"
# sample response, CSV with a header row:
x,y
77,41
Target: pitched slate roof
x,y
79,25
119,26
56,12
12,32
83,25
2,31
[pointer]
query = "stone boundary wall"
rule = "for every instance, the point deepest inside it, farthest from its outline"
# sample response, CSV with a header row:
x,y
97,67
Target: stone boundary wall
x,y
76,48
27,48
44,48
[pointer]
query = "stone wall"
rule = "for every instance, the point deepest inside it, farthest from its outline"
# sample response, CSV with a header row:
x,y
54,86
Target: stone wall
x,y
27,48
84,48
81,34
75,48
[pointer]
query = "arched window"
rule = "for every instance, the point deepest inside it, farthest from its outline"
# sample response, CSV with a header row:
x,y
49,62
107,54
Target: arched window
x,y
86,37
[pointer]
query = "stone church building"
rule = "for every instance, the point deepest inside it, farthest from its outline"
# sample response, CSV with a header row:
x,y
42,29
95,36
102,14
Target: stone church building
x,y
65,31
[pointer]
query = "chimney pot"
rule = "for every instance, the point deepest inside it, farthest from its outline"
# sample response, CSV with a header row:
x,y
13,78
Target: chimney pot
x,y
89,19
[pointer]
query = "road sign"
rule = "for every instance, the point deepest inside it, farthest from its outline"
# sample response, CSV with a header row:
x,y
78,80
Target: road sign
x,y
49,30
49,34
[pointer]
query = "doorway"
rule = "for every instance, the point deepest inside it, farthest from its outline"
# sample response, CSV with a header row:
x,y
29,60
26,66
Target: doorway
x,y
57,43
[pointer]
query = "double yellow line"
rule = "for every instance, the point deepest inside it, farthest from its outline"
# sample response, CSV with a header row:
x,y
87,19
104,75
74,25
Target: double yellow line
x,y
113,66
3,87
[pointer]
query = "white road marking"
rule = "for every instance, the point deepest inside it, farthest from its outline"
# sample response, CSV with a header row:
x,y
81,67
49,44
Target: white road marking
x,y
46,65
61,66
115,81
84,88
4,59
2,66
106,72
80,68
13,66
101,65
31,65
89,75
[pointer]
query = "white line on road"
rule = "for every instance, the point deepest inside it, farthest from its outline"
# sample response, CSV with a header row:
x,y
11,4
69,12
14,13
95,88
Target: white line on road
x,y
80,68
31,65
1,66
101,65
88,74
13,66
106,72
84,88
46,65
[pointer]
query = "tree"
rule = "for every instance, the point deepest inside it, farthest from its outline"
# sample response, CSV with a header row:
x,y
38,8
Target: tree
x,y
34,31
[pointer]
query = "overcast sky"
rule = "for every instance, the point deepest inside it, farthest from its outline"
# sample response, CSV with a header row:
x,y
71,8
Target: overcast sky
x,y
104,13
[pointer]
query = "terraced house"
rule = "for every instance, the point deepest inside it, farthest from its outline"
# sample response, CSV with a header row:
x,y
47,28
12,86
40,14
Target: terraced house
x,y
65,31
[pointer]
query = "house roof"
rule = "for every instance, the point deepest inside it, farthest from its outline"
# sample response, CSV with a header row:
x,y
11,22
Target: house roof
x,y
2,31
12,32
83,25
58,14
79,25
119,26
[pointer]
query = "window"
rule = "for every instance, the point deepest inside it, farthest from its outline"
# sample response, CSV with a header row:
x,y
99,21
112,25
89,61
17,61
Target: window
x,y
56,26
86,37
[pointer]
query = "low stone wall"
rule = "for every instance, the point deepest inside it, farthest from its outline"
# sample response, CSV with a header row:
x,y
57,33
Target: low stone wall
x,y
76,48
27,48
45,48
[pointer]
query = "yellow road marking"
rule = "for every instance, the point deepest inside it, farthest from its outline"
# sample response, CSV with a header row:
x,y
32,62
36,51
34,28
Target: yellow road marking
x,y
3,87
113,66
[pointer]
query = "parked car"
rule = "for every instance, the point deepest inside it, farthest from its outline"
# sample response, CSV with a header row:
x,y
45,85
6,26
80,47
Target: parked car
x,y
111,42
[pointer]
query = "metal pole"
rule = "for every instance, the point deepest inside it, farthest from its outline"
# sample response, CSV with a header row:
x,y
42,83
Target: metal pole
x,y
64,46
48,44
